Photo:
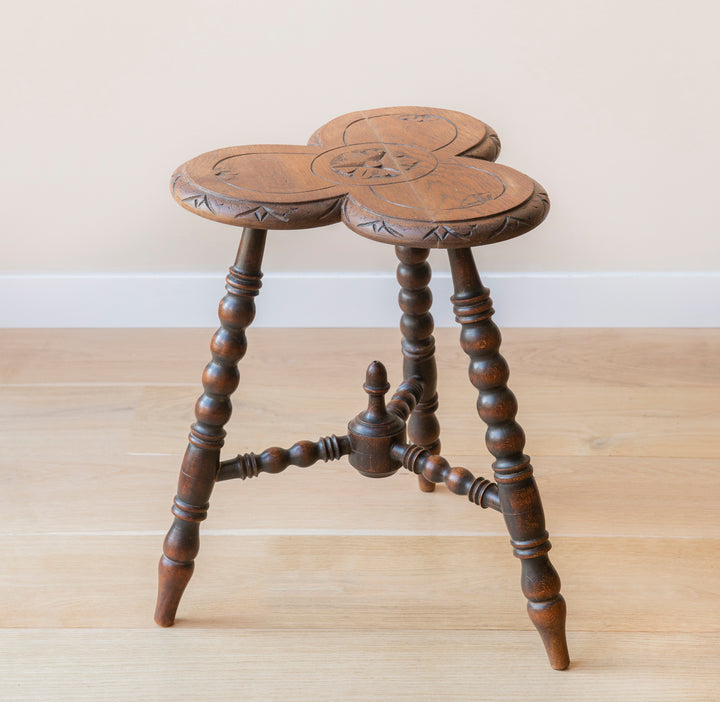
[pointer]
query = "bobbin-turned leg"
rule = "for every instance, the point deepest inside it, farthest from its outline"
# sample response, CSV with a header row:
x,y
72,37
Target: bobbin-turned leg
x,y
212,411
418,348
517,491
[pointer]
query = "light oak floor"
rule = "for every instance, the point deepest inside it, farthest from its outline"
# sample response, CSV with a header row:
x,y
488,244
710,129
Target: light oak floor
x,y
319,584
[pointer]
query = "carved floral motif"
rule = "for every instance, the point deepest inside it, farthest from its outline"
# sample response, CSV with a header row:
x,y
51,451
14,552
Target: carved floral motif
x,y
373,163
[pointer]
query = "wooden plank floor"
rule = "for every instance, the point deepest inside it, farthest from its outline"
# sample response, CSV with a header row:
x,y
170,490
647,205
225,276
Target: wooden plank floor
x,y
320,585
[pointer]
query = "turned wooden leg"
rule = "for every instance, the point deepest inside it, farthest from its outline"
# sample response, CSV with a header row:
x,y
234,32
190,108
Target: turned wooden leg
x,y
418,348
517,491
212,411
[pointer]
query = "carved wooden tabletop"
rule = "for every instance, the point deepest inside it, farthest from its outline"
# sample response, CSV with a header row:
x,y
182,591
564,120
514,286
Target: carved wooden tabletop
x,y
414,176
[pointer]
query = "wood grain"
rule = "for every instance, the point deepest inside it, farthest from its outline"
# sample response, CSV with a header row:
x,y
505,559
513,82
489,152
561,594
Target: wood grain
x,y
414,176
86,513
353,666
380,581
638,358
583,498
660,422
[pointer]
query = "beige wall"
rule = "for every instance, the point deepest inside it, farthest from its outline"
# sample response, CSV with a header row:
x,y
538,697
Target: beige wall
x,y
612,105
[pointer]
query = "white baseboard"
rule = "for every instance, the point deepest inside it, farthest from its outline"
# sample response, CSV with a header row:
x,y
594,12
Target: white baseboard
x,y
358,300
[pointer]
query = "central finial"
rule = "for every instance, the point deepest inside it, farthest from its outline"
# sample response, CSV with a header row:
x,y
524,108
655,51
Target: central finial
x,y
374,431
376,386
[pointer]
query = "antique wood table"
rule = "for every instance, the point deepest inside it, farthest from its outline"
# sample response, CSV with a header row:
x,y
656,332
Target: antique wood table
x,y
417,178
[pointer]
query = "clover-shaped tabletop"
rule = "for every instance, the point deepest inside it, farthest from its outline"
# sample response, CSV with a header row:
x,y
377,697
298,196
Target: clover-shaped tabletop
x,y
412,176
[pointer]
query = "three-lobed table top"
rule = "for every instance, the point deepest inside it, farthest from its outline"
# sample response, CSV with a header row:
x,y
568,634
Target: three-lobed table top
x,y
413,176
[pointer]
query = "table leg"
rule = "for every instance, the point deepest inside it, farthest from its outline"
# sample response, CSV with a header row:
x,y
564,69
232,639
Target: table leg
x,y
519,497
207,435
418,348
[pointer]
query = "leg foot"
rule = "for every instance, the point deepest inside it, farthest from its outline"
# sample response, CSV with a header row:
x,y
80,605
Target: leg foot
x,y
173,577
425,485
549,619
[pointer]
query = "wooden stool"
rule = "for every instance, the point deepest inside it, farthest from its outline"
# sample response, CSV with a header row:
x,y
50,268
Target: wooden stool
x,y
416,178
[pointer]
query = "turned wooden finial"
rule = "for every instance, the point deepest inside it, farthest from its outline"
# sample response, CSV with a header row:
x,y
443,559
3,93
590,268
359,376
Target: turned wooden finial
x,y
376,386
375,430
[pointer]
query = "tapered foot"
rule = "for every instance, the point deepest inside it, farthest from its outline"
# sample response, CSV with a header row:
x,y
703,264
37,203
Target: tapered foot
x,y
425,485
172,580
549,620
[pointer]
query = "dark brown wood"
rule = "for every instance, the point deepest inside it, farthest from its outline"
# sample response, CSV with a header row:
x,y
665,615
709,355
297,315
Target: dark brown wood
x,y
417,178
418,348
519,497
436,469
377,441
406,397
275,460
374,431
207,435
411,176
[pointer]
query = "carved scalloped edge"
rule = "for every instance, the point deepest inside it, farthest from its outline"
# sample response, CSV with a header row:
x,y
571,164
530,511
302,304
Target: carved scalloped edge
x,y
446,235
248,213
